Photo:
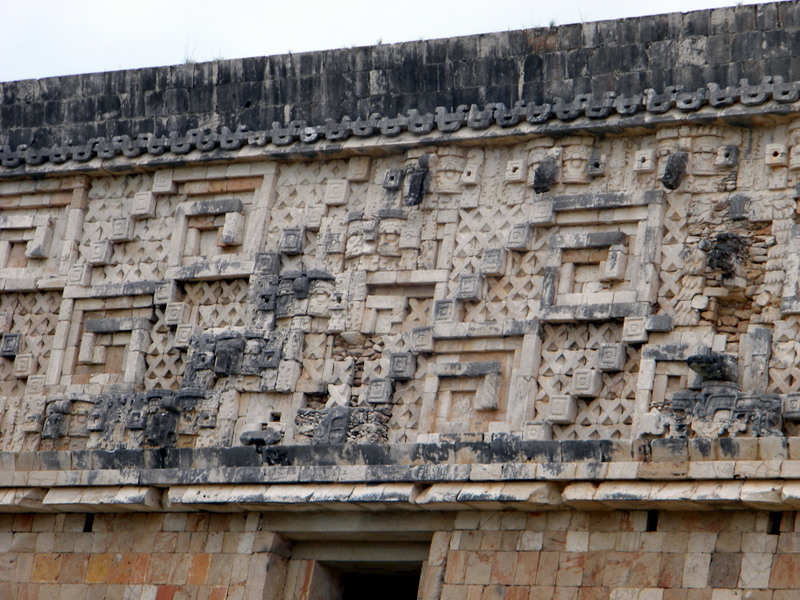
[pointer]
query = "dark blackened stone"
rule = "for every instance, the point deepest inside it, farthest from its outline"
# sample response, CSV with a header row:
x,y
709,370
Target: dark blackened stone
x,y
333,427
276,456
727,250
128,459
260,438
161,428
238,457
729,447
714,366
582,451
416,183
676,447
545,175
675,170
505,450
228,353
540,451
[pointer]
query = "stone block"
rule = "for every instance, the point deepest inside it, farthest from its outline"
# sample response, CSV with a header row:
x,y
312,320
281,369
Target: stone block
x,y
586,383
183,335
422,339
776,155
493,262
612,357
100,253
562,409
39,245
644,161
380,391
448,311
10,345
470,287
291,241
519,238
233,228
80,275
402,366
163,183
543,212
516,171
634,330
471,174
143,206
165,292
174,313
24,365
121,229
337,192
358,168
393,179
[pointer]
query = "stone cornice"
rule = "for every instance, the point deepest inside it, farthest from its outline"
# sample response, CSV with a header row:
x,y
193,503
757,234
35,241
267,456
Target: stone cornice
x,y
585,112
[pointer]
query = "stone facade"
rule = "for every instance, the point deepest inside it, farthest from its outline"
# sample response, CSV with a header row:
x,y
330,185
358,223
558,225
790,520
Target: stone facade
x,y
533,338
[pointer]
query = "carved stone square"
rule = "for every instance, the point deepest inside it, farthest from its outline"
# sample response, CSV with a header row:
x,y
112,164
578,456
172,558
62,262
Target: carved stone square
x,y
516,171
634,329
776,155
163,183
165,292
232,233
358,168
471,174
337,192
402,366
562,410
100,252
393,179
291,241
79,275
586,383
174,313
519,238
422,339
644,161
183,335
380,391
493,262
612,357
470,287
24,365
447,311
121,229
143,205
543,212
10,345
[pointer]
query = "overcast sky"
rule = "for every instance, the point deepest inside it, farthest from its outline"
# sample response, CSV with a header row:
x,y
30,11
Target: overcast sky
x,y
42,38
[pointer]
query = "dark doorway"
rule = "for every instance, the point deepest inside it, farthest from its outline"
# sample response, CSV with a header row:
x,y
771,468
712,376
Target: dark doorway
x,y
368,584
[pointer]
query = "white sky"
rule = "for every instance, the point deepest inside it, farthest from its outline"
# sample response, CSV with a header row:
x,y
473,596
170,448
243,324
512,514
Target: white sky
x,y
42,38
